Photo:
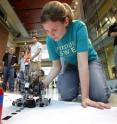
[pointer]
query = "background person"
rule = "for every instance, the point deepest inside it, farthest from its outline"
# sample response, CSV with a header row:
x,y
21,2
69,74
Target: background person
x,y
10,61
35,59
113,33
27,57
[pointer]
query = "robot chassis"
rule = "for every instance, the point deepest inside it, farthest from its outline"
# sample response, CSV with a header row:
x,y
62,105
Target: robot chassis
x,y
33,93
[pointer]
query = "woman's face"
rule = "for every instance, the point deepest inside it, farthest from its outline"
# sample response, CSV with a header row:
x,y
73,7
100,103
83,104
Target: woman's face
x,y
55,29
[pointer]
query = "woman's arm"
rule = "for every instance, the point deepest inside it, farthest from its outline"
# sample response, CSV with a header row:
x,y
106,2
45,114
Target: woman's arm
x,y
82,59
56,67
83,73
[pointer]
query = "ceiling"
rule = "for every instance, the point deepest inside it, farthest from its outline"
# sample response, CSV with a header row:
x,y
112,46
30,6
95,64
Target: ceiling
x,y
29,11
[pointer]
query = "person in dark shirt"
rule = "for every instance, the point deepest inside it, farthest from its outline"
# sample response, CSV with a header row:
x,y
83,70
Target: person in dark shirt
x,y
10,61
113,33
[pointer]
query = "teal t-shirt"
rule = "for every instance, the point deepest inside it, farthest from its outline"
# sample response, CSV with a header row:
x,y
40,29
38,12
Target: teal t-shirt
x,y
74,41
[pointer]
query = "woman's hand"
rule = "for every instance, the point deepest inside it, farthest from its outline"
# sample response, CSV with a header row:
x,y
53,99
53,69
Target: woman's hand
x,y
100,105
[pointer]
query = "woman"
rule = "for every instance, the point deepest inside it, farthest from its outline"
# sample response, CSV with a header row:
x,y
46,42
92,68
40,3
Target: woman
x,y
68,39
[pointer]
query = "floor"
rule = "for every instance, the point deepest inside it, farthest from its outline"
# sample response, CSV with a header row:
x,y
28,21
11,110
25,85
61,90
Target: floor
x,y
57,112
113,100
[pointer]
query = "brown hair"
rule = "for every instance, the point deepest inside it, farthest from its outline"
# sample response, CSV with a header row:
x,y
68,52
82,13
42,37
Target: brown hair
x,y
36,36
56,11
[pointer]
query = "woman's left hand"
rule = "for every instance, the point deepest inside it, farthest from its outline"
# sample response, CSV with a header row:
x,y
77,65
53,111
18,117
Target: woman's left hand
x,y
100,105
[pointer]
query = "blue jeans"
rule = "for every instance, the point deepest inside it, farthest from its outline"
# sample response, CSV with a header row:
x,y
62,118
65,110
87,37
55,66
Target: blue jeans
x,y
8,76
68,82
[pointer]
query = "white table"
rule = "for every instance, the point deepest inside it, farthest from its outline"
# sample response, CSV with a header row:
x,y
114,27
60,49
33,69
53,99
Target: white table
x,y
58,112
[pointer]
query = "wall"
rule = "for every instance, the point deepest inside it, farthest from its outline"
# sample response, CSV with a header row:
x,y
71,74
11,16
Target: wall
x,y
3,40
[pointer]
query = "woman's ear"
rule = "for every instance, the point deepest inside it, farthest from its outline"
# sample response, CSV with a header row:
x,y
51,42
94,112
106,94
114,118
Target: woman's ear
x,y
66,21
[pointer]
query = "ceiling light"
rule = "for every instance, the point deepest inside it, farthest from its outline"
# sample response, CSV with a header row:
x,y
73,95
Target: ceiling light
x,y
76,3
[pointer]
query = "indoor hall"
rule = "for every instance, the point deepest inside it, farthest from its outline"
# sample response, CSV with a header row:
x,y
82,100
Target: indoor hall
x,y
19,22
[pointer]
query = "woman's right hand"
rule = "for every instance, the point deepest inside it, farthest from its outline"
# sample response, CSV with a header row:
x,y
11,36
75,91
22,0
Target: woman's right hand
x,y
100,105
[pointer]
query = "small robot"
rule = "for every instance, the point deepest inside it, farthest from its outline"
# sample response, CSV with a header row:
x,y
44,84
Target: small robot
x,y
34,93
